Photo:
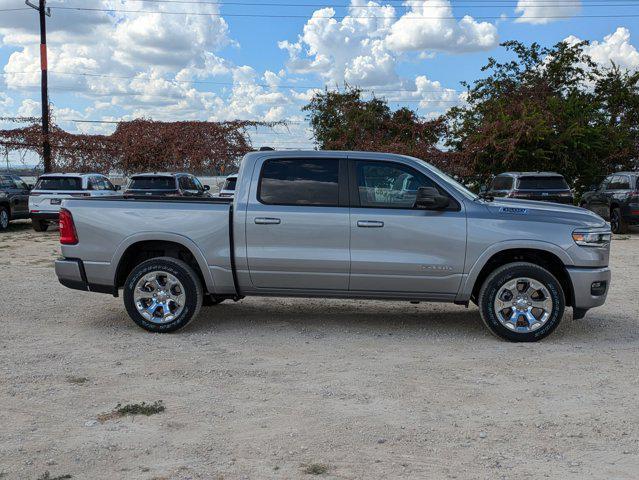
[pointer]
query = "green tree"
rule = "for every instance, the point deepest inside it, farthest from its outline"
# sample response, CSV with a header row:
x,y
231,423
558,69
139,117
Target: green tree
x,y
548,109
346,121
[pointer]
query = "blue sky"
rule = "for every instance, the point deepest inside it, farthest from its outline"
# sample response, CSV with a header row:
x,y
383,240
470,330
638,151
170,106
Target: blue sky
x,y
120,61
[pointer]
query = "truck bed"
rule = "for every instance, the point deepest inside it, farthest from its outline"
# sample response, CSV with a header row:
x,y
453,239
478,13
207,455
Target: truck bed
x,y
122,222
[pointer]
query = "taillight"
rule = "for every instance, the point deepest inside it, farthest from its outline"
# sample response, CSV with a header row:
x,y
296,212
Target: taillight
x,y
68,235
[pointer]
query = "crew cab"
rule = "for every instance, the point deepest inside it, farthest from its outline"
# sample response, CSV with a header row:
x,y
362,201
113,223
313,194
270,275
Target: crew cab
x,y
341,225
616,199
51,188
14,199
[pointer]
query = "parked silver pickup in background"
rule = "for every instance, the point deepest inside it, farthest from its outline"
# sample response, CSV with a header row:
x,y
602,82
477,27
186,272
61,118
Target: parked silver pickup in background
x,y
340,224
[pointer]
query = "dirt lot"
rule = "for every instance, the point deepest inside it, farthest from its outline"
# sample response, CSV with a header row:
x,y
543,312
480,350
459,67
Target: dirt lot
x,y
282,388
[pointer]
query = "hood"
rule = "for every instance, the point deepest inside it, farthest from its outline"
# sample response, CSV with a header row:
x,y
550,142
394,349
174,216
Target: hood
x,y
544,211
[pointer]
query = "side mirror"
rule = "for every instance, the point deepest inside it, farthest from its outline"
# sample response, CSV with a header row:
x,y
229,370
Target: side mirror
x,y
207,188
483,189
117,188
429,198
593,188
30,186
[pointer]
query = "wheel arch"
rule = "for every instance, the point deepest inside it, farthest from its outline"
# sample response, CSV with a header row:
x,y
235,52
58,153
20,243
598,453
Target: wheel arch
x,y
138,248
548,256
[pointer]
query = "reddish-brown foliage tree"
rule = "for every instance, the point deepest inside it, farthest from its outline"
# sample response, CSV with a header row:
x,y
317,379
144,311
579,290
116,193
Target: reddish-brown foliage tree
x,y
141,145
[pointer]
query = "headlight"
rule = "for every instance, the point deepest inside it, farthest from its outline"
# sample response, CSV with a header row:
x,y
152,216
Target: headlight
x,y
586,238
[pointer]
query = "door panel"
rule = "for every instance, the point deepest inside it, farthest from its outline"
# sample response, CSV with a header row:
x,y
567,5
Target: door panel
x,y
298,247
400,248
297,234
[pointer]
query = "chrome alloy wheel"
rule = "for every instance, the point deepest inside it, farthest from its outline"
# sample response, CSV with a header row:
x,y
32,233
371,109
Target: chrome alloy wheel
x,y
4,219
159,297
523,305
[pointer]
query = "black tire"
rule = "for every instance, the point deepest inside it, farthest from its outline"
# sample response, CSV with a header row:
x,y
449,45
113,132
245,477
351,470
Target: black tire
x,y
617,223
210,301
39,225
192,290
498,278
5,216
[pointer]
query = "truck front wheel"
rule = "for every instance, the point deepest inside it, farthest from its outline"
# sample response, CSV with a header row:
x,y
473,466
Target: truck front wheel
x,y
521,302
162,294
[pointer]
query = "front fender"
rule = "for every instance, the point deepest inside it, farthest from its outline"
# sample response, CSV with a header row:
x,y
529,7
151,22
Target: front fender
x,y
470,278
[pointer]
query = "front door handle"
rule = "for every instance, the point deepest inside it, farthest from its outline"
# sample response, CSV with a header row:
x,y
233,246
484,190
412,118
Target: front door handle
x,y
267,221
370,224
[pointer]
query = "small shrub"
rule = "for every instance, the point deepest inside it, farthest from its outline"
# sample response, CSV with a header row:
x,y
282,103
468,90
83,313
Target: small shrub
x,y
315,469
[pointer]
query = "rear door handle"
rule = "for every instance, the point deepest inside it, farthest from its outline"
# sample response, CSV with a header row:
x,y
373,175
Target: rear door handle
x,y
370,224
267,221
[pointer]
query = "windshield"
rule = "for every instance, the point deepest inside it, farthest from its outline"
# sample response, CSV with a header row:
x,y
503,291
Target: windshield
x,y
230,183
451,181
543,183
59,183
152,183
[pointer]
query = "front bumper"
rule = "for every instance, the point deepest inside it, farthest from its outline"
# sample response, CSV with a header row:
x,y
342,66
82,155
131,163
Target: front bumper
x,y
584,285
71,274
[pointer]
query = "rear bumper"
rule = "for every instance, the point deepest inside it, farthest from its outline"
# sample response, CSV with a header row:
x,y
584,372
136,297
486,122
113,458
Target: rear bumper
x,y
71,274
630,214
50,216
587,286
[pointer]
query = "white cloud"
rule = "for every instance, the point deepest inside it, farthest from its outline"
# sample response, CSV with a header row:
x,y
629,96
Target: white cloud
x,y
539,13
615,48
365,51
429,26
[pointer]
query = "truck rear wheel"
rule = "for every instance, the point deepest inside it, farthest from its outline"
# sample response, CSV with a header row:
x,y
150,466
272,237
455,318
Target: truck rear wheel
x,y
521,302
162,294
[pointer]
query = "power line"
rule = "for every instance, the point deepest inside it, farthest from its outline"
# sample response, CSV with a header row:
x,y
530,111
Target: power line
x,y
340,17
213,82
503,3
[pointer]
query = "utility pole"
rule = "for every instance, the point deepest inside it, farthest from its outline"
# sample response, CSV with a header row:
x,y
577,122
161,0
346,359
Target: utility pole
x,y
44,12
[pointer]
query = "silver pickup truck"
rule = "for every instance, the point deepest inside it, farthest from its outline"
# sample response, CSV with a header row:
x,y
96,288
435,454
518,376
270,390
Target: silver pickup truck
x,y
341,225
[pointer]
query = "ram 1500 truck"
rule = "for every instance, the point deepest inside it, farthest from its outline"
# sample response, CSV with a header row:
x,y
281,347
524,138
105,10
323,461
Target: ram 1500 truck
x,y
340,225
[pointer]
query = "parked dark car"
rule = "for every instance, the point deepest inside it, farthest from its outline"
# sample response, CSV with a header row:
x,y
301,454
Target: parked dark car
x,y
166,184
14,199
544,186
616,199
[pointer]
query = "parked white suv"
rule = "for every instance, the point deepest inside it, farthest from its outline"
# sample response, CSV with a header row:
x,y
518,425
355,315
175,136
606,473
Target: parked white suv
x,y
228,189
51,188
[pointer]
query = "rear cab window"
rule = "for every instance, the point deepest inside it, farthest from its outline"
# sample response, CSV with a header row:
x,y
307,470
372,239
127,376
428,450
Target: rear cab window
x,y
152,183
542,183
502,183
304,181
59,183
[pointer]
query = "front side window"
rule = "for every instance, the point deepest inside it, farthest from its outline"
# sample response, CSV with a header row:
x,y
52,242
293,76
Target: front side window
x,y
5,182
389,185
300,182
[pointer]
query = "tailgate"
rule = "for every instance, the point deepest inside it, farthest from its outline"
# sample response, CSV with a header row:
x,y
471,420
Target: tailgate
x,y
49,201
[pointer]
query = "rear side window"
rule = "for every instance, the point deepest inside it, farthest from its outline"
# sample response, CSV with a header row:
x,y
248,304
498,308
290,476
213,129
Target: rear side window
x,y
502,183
229,184
152,183
300,182
543,183
59,183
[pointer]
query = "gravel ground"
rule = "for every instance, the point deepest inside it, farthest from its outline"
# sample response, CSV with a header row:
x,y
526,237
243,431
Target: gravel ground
x,y
288,388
